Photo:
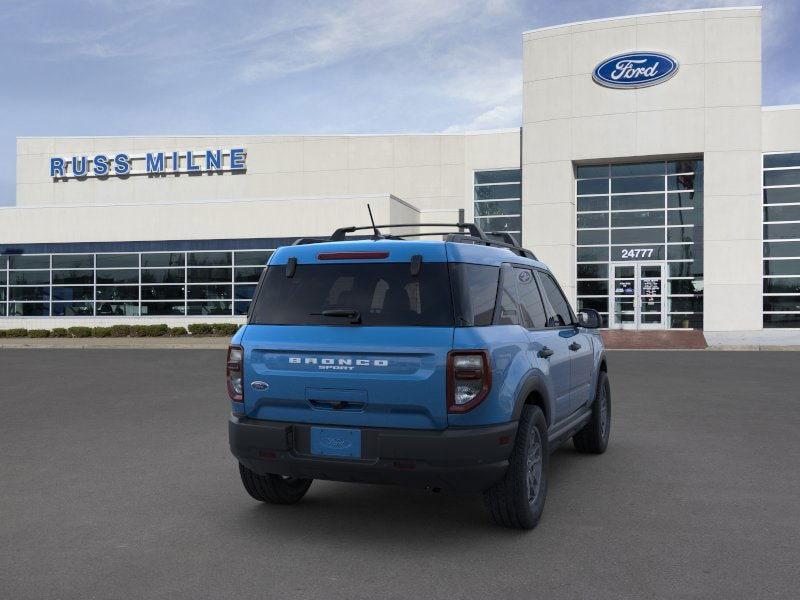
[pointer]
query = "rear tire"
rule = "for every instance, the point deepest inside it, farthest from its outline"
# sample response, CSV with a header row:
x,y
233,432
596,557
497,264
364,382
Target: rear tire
x,y
593,438
273,489
518,499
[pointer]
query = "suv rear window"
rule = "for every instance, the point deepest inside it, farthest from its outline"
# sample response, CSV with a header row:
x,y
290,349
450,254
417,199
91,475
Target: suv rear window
x,y
383,294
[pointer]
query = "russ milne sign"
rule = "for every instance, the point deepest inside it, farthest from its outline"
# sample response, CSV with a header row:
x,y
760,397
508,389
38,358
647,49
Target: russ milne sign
x,y
150,163
635,70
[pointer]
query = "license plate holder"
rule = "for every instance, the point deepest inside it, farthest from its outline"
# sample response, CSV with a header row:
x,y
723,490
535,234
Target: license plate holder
x,y
335,441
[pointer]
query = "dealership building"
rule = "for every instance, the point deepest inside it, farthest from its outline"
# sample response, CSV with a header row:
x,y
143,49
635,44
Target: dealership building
x,y
645,172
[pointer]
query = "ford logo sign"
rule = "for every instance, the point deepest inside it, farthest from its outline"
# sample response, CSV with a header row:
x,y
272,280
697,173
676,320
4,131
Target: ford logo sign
x,y
635,70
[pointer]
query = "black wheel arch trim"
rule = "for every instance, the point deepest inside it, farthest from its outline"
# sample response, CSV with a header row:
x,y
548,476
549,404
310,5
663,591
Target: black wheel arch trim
x,y
534,383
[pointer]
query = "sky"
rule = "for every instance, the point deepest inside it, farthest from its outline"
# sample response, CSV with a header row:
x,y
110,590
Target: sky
x,y
171,67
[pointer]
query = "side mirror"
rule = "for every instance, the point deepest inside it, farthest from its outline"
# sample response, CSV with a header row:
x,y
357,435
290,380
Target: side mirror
x,y
589,318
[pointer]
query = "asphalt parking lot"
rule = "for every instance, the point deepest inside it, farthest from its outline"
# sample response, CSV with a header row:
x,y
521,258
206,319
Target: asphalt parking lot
x,y
116,482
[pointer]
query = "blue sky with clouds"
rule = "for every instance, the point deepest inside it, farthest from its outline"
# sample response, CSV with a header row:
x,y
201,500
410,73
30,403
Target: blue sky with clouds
x,y
104,67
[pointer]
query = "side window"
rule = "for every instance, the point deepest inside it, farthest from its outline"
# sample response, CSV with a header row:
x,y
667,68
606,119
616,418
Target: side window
x,y
530,300
563,314
474,292
508,313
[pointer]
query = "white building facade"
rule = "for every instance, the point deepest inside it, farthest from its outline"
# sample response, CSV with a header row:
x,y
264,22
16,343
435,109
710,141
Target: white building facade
x,y
657,187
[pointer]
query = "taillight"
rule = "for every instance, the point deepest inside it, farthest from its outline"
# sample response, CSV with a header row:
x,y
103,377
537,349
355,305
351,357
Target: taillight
x,y
234,372
469,378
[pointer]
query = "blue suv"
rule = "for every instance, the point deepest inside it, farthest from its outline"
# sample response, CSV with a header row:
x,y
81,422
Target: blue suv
x,y
452,363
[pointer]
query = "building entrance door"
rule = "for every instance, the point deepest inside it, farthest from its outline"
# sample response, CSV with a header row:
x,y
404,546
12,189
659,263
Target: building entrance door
x,y
637,295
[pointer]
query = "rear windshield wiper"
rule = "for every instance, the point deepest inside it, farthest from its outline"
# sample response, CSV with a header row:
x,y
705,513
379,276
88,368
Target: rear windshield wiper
x,y
344,313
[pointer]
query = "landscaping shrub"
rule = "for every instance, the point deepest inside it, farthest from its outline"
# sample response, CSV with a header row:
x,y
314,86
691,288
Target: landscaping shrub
x,y
80,332
156,330
39,333
177,331
101,332
201,329
138,331
120,330
59,332
224,328
16,332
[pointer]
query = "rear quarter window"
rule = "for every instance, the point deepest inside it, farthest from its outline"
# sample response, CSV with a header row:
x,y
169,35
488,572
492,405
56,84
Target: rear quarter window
x,y
474,293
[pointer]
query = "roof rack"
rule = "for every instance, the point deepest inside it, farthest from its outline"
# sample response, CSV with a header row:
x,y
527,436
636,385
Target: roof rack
x,y
469,233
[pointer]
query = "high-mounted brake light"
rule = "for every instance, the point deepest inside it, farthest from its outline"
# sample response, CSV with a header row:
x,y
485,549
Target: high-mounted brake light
x,y
469,379
234,373
351,255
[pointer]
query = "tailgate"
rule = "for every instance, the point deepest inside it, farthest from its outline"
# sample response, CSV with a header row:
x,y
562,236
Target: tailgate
x,y
352,376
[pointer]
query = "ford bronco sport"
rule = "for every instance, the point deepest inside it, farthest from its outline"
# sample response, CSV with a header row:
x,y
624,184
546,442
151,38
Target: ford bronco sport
x,y
455,363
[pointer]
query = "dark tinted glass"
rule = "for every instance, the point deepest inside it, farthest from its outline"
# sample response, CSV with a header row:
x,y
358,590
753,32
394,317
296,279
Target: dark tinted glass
x,y
162,308
637,202
499,223
593,220
244,292
252,257
506,175
73,309
29,293
782,285
592,254
593,186
28,309
649,168
23,261
599,203
782,303
592,271
772,321
73,261
637,218
680,234
209,292
783,231
682,286
247,273
593,288
117,309
681,217
681,182
782,267
694,304
563,314
118,276
680,269
684,199
493,192
585,171
162,292
209,308
694,321
530,300
788,177
163,276
383,294
782,195
598,304
71,292
684,166
209,275
241,307
163,259
504,207
508,310
782,213
637,236
474,293
117,292
28,277
637,184
209,259
782,160
680,252
592,236
86,276
117,261
2,278
778,249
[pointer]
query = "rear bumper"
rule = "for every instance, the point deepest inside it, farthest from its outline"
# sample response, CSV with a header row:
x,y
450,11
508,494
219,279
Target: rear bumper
x,y
460,459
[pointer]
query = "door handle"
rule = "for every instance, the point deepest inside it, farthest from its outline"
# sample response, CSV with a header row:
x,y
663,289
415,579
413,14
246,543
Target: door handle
x,y
574,346
545,353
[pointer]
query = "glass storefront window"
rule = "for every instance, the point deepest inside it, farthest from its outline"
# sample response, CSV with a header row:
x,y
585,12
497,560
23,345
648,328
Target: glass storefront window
x,y
498,201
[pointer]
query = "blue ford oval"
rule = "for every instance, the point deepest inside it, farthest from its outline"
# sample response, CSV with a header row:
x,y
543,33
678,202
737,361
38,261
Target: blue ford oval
x,y
635,70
